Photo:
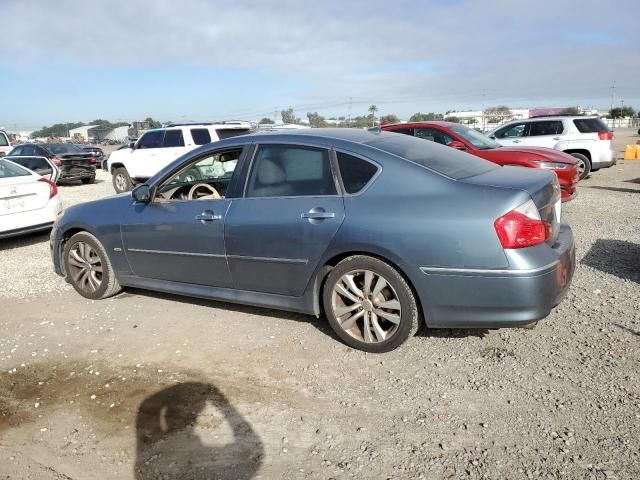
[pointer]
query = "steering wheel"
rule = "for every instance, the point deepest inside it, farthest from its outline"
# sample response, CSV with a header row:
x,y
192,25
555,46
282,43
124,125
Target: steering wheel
x,y
203,191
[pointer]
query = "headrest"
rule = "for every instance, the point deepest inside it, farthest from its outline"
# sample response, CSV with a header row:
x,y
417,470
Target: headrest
x,y
270,173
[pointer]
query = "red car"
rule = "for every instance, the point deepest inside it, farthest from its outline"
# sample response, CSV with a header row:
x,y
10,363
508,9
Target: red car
x,y
463,138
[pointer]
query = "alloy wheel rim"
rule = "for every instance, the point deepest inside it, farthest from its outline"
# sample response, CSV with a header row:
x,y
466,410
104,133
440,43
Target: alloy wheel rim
x,y
581,167
85,267
120,182
366,306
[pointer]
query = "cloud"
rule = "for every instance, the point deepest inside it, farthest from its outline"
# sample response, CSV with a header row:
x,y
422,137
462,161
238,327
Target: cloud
x,y
398,50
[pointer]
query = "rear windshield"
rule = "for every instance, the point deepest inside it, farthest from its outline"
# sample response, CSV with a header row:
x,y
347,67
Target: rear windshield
x,y
441,159
231,132
11,170
61,148
590,125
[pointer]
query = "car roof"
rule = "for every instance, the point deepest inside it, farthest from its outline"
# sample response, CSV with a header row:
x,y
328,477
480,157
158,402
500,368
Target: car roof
x,y
353,135
438,123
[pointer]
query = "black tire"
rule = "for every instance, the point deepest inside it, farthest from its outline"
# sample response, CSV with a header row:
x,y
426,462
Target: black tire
x,y
88,180
121,180
409,315
108,284
584,165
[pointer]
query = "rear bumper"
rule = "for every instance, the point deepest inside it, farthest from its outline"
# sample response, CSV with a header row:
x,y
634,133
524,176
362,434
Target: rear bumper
x,y
31,221
606,159
485,298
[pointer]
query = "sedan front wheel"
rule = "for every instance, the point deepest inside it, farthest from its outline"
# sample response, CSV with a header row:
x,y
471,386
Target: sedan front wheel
x,y
88,268
369,304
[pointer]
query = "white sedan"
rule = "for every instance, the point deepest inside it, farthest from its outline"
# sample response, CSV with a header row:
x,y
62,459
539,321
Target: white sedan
x,y
28,202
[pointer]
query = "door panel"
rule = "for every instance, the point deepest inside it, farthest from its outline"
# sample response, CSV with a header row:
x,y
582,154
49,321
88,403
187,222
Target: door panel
x,y
274,244
180,241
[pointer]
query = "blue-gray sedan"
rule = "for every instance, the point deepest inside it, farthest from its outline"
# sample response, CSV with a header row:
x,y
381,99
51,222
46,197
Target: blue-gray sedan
x,y
380,231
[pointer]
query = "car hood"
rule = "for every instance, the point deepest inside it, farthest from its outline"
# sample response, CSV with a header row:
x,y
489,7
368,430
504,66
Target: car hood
x,y
534,153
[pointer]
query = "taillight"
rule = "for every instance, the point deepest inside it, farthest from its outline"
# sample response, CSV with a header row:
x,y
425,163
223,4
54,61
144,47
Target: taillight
x,y
56,161
605,135
53,190
522,227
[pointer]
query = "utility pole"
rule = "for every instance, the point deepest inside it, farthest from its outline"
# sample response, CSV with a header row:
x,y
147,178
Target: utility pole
x,y
613,93
349,115
484,92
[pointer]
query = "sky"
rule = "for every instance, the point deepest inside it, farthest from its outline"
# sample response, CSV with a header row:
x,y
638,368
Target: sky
x,y
197,60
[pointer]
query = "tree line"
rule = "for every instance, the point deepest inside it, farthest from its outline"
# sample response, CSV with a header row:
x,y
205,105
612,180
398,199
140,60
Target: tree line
x,y
495,114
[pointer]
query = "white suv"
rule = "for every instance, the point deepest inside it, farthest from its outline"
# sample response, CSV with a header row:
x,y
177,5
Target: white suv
x,y
5,144
586,138
157,148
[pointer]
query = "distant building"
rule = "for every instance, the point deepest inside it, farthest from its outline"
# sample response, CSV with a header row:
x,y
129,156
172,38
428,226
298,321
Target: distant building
x,y
98,133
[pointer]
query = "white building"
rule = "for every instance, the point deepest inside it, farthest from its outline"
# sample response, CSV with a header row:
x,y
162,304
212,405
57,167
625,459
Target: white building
x,y
99,133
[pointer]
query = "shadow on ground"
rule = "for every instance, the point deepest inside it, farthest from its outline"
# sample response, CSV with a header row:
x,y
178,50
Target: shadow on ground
x,y
24,240
615,257
627,329
169,447
616,189
320,324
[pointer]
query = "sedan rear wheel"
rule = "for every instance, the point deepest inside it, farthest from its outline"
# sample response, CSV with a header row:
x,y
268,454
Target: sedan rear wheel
x,y
369,304
88,268
121,180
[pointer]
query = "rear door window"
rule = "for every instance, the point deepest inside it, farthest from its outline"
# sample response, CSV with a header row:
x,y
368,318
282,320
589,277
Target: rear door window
x,y
547,127
173,138
590,125
201,136
152,139
290,171
434,135
231,132
355,172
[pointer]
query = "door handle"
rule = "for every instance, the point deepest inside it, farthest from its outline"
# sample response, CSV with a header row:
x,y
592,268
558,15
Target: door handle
x,y
556,138
207,216
516,141
316,214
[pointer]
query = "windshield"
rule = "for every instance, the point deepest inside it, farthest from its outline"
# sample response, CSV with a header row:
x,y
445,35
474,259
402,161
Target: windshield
x,y
474,137
64,148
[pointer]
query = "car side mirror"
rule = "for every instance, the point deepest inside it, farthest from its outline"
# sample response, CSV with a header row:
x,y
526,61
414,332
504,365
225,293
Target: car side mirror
x,y
492,137
141,194
457,144
132,145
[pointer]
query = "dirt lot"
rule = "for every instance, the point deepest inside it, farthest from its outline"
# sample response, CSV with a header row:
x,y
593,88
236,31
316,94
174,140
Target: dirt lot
x,y
153,386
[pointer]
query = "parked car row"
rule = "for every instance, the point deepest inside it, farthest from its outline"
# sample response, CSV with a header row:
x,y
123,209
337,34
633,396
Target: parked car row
x,y
469,140
71,161
157,148
381,232
588,139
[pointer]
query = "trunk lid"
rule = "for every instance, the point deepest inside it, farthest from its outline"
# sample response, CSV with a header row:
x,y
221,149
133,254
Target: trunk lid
x,y
542,186
76,163
22,194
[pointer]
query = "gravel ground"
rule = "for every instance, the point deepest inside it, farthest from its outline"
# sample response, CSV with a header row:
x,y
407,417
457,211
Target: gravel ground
x,y
142,385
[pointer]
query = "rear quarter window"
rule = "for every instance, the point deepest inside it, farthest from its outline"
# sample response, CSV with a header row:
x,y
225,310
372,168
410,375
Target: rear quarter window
x,y
231,132
355,172
4,141
444,160
590,125
201,136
